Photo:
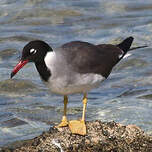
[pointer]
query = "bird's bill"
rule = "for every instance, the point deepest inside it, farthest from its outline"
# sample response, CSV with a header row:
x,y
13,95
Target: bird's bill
x,y
18,67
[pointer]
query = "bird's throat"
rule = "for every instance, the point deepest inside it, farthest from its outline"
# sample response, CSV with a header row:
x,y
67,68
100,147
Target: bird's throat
x,y
44,72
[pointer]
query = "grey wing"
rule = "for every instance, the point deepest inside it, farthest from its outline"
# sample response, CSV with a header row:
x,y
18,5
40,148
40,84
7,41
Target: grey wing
x,y
84,57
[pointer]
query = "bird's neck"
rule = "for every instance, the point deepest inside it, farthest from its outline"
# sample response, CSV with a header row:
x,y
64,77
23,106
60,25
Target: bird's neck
x,y
44,72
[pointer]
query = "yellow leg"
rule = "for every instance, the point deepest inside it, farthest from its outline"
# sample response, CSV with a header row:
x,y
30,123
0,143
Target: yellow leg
x,y
78,126
64,121
84,106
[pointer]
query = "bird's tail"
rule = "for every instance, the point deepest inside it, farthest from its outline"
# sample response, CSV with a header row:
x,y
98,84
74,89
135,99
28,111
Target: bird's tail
x,y
126,44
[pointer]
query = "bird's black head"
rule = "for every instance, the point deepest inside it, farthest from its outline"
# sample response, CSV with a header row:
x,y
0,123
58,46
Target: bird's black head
x,y
34,51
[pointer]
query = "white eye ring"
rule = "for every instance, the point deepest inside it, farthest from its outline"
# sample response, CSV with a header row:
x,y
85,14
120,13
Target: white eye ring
x,y
33,51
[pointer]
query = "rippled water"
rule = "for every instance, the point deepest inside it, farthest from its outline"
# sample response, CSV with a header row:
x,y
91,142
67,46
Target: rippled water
x,y
26,106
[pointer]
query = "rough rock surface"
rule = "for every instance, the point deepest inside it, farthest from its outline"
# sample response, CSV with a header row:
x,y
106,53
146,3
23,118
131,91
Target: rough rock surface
x,y
101,137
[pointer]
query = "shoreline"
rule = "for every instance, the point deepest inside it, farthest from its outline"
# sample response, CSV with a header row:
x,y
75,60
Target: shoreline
x,y
101,136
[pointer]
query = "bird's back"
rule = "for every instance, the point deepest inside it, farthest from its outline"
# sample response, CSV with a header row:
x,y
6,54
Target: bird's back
x,y
85,57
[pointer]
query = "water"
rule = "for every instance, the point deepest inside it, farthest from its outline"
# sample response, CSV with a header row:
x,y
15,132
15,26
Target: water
x,y
26,106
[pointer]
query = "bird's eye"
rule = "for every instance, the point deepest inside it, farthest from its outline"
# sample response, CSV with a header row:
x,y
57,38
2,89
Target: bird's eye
x,y
33,51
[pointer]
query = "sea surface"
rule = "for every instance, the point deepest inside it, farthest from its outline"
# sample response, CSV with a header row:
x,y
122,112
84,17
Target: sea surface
x,y
27,108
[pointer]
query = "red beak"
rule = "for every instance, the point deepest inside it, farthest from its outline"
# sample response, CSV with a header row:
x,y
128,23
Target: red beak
x,y
18,67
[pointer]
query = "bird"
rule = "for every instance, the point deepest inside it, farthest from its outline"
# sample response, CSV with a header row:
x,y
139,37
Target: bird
x,y
75,67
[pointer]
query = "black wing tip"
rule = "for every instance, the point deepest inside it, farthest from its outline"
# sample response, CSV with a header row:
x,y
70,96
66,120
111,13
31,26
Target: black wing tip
x,y
138,47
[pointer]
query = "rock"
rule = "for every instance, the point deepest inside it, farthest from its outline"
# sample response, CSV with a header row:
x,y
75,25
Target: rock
x,y
101,136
